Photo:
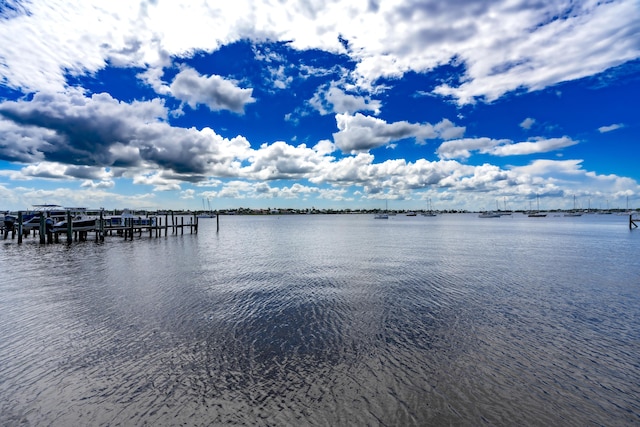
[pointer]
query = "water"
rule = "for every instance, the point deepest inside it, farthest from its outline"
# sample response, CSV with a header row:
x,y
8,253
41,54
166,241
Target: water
x,y
327,320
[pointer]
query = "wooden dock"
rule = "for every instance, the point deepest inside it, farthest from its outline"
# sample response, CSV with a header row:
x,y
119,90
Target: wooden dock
x,y
154,225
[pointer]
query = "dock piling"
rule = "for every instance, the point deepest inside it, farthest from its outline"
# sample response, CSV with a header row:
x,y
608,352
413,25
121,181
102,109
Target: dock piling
x,y
69,228
42,230
20,227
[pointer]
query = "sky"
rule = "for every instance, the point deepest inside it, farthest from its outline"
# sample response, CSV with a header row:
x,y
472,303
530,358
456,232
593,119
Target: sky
x,y
326,104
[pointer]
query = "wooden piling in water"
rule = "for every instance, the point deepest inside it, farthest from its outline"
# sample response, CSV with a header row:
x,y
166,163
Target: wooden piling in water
x,y
166,225
20,227
101,226
69,228
13,230
632,222
42,229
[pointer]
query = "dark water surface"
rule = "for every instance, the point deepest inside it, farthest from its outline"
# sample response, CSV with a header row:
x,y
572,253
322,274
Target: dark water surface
x,y
327,320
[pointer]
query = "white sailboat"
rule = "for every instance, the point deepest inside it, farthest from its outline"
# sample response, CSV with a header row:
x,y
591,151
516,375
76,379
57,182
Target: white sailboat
x,y
430,212
537,214
383,215
573,212
205,213
489,214
505,211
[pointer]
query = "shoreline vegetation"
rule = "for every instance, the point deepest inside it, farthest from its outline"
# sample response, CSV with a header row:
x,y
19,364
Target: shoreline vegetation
x,y
248,211
313,211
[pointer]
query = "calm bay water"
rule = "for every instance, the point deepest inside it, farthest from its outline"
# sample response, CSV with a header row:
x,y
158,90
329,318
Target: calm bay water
x,y
327,320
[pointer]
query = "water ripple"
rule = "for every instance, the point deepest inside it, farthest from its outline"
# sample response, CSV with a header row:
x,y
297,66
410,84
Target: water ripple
x,y
325,321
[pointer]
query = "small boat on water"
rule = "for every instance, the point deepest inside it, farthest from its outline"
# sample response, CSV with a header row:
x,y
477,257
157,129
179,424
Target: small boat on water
x,y
383,215
430,212
31,218
128,218
52,214
537,213
489,214
9,220
573,212
78,223
206,214
34,223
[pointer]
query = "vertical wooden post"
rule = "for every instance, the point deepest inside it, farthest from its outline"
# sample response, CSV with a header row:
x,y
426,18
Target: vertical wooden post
x,y
48,229
632,223
181,225
101,226
20,227
42,229
217,222
69,228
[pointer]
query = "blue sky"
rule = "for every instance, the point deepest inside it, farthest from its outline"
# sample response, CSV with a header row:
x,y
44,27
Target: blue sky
x,y
325,104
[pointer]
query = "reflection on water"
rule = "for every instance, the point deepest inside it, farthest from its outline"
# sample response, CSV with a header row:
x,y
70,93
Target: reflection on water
x,y
327,320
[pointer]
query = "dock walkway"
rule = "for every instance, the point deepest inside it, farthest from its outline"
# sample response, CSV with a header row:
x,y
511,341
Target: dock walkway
x,y
154,225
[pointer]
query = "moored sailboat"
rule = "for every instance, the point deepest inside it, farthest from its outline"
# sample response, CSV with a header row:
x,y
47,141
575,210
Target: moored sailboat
x,y
537,214
383,215
573,212
430,212
489,214
206,214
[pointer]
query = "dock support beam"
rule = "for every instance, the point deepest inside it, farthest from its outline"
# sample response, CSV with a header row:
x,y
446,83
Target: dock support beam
x,y
632,222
